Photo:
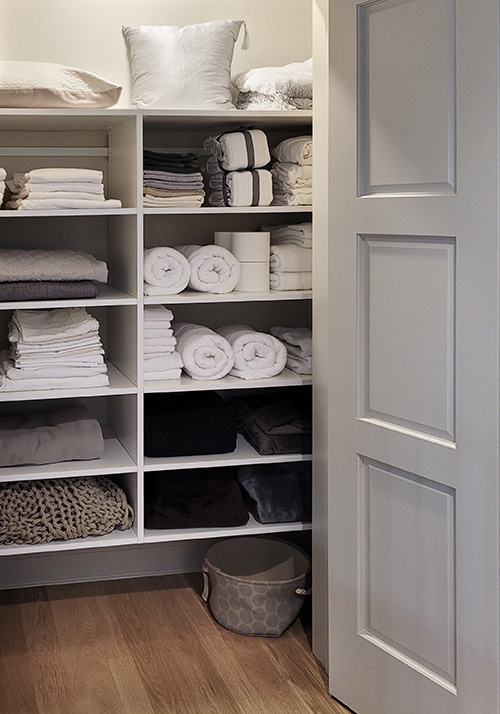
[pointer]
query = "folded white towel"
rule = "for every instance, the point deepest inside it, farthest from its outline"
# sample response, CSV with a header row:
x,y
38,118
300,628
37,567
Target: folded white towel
x,y
58,175
297,340
149,201
33,189
62,204
290,258
213,269
60,264
166,268
206,355
163,374
171,360
45,381
256,354
291,80
167,344
157,314
48,371
242,188
293,199
294,234
154,337
25,195
243,149
297,150
290,176
290,281
46,326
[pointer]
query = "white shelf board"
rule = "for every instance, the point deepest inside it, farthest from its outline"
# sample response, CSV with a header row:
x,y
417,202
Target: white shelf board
x,y
204,210
106,295
251,528
17,215
191,297
114,460
287,378
63,119
118,384
243,454
115,538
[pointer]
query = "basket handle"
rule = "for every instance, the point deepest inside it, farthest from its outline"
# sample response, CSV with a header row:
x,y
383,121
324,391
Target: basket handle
x,y
206,583
303,591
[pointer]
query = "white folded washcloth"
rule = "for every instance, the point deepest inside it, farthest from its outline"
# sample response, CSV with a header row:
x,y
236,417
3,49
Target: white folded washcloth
x,y
59,264
290,281
58,175
294,234
242,188
152,337
163,374
61,204
206,355
297,150
290,258
167,344
165,268
256,354
242,149
213,269
157,314
46,326
167,361
297,340
290,176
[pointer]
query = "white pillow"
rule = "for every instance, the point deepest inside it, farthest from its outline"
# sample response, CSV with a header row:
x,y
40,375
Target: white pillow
x,y
48,85
182,67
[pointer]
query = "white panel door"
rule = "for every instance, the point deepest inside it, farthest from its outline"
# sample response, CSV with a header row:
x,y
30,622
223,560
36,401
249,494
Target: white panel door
x,y
411,164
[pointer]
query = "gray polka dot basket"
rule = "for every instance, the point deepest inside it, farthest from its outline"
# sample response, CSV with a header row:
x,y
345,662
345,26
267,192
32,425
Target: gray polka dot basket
x,y
256,586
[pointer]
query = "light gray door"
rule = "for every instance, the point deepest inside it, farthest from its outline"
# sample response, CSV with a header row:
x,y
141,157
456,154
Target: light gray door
x,y
406,139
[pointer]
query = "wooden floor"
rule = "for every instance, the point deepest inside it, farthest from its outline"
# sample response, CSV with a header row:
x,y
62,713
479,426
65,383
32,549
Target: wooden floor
x,y
147,646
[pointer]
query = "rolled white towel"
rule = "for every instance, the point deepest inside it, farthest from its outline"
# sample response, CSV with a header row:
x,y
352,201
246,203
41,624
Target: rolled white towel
x,y
242,188
297,150
256,354
213,269
290,258
235,150
290,281
206,355
167,269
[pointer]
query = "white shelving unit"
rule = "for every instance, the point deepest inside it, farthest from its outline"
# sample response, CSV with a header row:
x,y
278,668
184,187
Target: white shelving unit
x,y
112,141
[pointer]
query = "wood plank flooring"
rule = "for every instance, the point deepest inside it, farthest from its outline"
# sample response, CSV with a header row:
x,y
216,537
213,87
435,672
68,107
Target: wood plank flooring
x,y
147,646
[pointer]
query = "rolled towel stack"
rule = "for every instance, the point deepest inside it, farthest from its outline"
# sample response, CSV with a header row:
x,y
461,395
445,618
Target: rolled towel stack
x,y
3,176
290,257
292,172
56,189
287,87
298,343
166,271
235,166
256,354
53,349
213,268
171,179
49,274
205,354
161,359
251,249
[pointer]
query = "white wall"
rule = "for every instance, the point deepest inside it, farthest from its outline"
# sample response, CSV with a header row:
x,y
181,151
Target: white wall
x,y
87,33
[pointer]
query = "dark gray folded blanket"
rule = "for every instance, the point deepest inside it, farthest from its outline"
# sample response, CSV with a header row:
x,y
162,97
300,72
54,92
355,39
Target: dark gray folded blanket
x,y
47,290
194,498
65,433
278,493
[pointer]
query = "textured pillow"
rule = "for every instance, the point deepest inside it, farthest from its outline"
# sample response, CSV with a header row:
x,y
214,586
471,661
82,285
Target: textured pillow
x,y
182,67
48,85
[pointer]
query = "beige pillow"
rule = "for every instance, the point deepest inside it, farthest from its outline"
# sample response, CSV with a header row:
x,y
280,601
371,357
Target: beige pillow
x,y
47,85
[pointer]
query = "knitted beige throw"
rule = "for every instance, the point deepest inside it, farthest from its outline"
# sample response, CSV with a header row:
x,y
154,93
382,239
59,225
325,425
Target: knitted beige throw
x,y
42,511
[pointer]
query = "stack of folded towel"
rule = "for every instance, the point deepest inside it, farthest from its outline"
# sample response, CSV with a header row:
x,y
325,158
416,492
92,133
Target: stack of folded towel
x,y
49,274
298,343
172,180
291,257
235,166
292,172
161,359
53,349
3,176
287,87
54,189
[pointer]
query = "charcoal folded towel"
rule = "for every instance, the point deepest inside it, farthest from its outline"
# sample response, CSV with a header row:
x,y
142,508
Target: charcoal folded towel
x,y
278,493
47,290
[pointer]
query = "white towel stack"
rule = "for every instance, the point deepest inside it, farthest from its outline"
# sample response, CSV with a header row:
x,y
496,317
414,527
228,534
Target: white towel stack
x,y
290,257
56,189
235,167
3,176
251,249
292,172
298,343
161,359
285,87
53,349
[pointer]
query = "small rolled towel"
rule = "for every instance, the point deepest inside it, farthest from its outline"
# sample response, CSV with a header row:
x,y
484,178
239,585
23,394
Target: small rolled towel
x,y
242,149
290,259
187,424
194,498
60,264
205,354
290,281
256,354
213,269
61,434
297,150
278,493
166,270
242,188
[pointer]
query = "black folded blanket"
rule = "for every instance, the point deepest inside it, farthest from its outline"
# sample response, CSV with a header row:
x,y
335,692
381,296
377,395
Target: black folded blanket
x,y
194,498
187,424
278,493
47,290
175,163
